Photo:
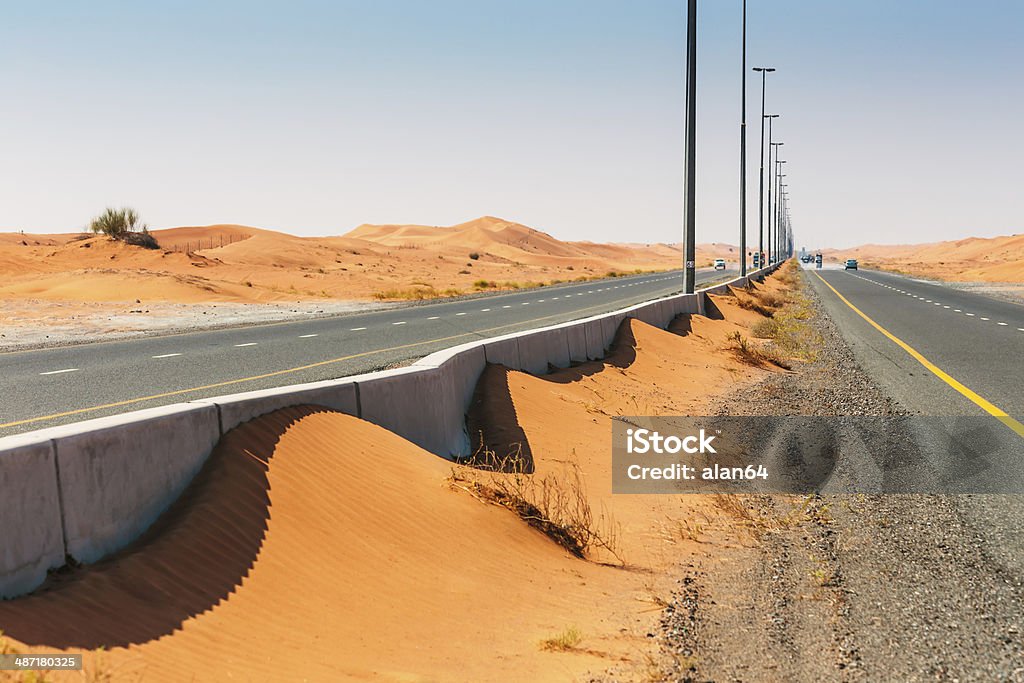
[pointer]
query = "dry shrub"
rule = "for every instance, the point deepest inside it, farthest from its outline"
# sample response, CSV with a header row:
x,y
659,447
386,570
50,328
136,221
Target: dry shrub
x,y
755,354
555,504
564,641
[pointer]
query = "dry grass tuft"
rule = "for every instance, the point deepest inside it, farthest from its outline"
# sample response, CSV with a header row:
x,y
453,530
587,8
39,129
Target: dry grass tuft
x,y
564,641
555,504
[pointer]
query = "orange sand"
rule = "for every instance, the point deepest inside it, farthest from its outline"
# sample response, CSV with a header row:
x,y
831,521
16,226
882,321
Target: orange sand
x,y
234,263
316,546
975,259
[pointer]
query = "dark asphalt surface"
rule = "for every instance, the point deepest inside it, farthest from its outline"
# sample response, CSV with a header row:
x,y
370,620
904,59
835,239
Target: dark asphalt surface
x,y
47,382
977,340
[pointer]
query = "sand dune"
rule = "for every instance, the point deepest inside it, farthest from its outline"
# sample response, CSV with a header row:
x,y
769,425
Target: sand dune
x,y
975,259
239,263
316,546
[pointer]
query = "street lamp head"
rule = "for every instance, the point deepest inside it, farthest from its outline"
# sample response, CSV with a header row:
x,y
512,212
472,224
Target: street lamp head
x,y
769,69
771,116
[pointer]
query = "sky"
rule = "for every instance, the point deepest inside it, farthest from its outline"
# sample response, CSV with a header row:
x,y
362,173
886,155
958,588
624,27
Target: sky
x,y
901,120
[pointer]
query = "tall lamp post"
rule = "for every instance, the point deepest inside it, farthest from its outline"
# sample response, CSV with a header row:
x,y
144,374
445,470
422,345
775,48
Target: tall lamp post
x,y
778,189
764,70
771,181
690,218
773,226
743,149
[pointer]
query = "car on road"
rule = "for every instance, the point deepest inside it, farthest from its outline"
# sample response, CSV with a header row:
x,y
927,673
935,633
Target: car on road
x,y
719,264
851,264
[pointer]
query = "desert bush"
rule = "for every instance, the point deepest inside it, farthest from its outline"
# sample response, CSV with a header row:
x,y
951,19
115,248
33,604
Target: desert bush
x,y
555,504
754,354
566,640
473,256
123,224
485,284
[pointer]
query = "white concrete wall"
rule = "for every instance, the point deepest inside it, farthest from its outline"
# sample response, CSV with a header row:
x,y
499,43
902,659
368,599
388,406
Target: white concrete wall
x,y
90,488
31,539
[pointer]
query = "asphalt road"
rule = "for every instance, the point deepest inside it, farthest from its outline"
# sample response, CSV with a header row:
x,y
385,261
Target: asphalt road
x,y
977,340
47,387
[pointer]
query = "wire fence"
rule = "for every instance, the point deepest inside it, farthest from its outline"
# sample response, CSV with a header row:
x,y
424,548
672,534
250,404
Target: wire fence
x,y
190,246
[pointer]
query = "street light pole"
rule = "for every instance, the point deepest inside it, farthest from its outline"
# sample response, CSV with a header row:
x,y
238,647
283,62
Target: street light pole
x,y
743,149
771,181
778,189
760,200
690,219
773,225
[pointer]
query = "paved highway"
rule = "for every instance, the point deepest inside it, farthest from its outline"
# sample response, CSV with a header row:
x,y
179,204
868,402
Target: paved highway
x,y
977,340
945,352
46,387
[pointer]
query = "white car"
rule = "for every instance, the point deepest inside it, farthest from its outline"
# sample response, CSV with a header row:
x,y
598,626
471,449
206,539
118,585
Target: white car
x,y
719,264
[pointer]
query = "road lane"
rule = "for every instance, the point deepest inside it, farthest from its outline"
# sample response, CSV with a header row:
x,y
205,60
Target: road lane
x,y
976,339
168,369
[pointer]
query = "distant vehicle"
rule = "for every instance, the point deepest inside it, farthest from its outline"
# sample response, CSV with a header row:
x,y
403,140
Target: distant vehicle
x,y
719,264
806,258
817,260
757,260
851,264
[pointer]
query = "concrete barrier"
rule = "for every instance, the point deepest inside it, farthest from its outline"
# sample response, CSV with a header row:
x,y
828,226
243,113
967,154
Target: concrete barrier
x,y
117,474
538,348
85,490
338,394
503,350
31,539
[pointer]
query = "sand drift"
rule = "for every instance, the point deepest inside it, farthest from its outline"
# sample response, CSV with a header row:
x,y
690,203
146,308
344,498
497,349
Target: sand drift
x,y
314,545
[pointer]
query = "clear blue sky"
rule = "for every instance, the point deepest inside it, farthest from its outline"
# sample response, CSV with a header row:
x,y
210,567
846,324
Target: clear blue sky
x,y
901,119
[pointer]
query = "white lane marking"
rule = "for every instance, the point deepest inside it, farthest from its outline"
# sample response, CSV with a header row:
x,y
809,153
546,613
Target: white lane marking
x,y
984,318
506,307
246,344
554,298
401,322
938,304
1004,324
166,355
484,310
526,303
434,317
57,372
540,301
1020,329
460,314
971,314
357,329
957,310
307,336
945,306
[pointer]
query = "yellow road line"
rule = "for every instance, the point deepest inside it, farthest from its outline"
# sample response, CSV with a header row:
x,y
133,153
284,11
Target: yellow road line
x,y
978,400
277,373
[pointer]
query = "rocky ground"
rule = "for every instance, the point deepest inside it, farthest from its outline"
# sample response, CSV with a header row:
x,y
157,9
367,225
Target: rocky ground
x,y
849,587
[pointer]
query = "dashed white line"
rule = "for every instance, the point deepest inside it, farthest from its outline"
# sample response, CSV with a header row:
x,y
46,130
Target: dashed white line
x,y
945,306
307,336
970,314
526,303
246,344
484,310
166,355
434,317
957,310
506,307
58,372
463,313
401,322
984,318
357,329
1004,324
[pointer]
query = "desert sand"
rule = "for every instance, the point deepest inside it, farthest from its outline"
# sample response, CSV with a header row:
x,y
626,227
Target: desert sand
x,y
64,287
316,546
232,263
974,259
